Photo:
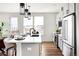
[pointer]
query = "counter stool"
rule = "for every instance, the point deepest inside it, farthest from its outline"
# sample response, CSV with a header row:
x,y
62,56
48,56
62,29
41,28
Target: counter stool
x,y
9,49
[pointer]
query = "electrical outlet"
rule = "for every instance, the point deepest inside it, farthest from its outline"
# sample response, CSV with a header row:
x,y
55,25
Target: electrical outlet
x,y
28,49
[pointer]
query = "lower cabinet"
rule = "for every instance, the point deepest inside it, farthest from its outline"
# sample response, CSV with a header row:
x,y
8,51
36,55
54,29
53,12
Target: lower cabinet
x,y
60,43
30,49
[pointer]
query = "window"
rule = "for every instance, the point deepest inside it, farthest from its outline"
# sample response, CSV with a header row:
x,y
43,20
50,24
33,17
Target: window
x,y
14,25
27,24
36,21
39,24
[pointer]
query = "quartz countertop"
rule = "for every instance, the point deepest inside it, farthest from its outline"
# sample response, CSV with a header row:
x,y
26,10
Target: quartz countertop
x,y
27,39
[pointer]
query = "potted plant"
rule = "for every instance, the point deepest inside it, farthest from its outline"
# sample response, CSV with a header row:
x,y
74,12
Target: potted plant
x,y
1,26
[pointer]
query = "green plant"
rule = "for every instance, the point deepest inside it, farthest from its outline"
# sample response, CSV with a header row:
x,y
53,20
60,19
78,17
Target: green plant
x,y
1,26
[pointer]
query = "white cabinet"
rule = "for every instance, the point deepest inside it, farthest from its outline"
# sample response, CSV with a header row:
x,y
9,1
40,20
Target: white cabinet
x,y
60,43
30,49
67,8
71,8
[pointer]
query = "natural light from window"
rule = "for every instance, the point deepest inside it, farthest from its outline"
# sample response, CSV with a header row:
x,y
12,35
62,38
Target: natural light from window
x,y
14,25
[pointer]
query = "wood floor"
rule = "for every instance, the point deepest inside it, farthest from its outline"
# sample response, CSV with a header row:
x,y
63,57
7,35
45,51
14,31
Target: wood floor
x,y
50,49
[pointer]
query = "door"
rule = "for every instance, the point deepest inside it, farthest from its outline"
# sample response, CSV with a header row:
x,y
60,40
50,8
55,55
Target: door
x,y
68,29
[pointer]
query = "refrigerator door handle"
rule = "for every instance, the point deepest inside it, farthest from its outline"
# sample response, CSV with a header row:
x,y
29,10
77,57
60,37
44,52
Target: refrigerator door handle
x,y
68,44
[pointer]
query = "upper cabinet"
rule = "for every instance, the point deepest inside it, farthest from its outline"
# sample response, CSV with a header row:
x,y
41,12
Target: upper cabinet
x,y
65,9
68,8
71,7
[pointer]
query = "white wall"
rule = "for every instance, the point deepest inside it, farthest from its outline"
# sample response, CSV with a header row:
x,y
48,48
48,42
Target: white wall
x,y
50,26
49,22
77,25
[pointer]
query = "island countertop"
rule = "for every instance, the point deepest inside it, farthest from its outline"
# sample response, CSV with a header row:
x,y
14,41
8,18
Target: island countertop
x,y
27,39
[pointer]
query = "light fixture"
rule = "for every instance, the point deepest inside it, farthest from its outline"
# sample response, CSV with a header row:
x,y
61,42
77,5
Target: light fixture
x,y
22,7
25,10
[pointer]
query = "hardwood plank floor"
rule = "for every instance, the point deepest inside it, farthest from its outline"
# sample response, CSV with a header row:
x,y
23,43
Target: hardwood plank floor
x,y
50,49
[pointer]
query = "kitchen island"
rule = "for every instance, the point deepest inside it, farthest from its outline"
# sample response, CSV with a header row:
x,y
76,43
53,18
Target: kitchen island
x,y
29,46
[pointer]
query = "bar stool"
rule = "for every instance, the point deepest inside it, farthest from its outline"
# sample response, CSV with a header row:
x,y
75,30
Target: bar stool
x,y
9,49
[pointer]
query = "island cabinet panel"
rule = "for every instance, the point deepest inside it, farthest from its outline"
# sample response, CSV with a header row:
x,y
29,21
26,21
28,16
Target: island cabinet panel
x,y
30,49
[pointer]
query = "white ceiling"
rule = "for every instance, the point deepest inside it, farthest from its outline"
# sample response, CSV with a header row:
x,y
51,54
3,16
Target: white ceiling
x,y
35,7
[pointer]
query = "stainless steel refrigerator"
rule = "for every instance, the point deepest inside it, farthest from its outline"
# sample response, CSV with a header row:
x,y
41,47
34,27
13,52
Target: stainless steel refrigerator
x,y
69,35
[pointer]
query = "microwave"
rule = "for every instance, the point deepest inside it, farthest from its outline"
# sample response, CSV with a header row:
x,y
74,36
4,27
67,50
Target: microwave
x,y
59,23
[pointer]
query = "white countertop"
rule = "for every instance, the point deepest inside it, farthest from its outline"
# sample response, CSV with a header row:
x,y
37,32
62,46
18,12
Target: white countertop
x,y
27,39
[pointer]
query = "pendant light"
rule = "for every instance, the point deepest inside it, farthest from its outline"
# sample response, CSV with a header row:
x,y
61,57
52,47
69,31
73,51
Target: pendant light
x,y
29,13
25,10
22,7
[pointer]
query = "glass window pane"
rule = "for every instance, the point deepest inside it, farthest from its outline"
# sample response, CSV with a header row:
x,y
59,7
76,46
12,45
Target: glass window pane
x,y
27,24
38,20
14,23
39,24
